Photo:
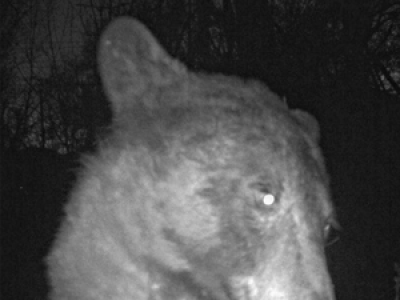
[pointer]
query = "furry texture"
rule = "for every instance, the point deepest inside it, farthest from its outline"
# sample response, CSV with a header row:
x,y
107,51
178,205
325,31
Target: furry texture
x,y
207,188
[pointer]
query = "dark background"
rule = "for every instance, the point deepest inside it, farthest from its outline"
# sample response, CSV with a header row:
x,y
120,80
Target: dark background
x,y
339,60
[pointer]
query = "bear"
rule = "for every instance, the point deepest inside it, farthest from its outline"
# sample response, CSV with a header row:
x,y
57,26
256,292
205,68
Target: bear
x,y
207,187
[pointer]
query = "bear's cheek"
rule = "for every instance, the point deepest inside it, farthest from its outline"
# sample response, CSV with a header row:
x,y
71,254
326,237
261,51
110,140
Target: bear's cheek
x,y
246,241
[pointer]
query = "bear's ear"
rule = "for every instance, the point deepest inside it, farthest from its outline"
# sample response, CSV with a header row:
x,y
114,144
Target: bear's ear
x,y
133,65
308,122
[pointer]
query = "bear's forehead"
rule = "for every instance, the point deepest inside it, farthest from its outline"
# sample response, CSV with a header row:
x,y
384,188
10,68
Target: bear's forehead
x,y
287,162
230,118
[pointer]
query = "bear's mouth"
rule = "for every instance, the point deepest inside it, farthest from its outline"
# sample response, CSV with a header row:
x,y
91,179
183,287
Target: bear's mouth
x,y
188,284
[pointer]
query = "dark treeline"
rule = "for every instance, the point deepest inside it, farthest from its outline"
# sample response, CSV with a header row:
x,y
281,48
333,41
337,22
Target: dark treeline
x,y
317,54
339,60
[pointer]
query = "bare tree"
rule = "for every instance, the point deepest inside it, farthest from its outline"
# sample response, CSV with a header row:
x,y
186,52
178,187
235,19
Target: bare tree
x,y
11,14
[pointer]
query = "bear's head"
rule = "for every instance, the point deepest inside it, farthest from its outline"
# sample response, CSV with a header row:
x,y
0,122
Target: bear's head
x,y
209,187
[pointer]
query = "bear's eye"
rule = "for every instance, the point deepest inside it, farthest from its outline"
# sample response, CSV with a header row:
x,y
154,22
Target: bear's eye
x,y
331,232
265,198
327,230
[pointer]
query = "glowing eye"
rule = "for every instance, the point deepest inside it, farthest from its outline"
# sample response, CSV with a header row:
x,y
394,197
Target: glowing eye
x,y
265,196
268,199
265,199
